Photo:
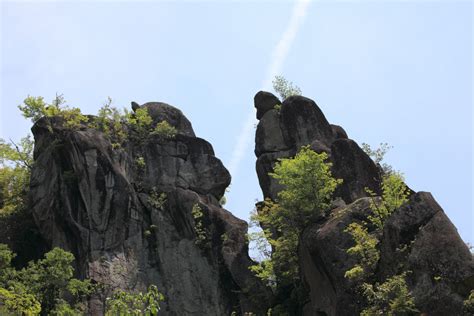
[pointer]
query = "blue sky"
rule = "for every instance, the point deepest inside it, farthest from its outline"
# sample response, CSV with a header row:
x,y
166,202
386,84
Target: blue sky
x,y
395,72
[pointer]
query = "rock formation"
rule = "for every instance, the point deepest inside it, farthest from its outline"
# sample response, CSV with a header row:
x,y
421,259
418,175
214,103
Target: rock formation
x,y
104,207
127,215
418,235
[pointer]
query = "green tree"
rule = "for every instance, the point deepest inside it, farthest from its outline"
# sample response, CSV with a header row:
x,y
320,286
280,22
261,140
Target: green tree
x,y
35,107
284,87
110,120
394,194
391,298
135,304
308,186
48,282
378,155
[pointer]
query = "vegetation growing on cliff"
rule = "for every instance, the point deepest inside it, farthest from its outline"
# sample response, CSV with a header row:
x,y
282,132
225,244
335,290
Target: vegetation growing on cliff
x,y
391,297
135,304
46,285
308,187
284,87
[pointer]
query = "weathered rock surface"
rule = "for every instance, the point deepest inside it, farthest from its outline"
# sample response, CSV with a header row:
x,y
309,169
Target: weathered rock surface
x,y
300,122
101,205
417,237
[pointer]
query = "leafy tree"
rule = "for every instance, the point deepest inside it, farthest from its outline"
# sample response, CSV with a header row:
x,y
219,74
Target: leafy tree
x,y
202,239
365,250
390,298
284,87
394,194
18,304
307,190
45,283
35,107
129,304
140,121
15,164
110,120
308,186
378,155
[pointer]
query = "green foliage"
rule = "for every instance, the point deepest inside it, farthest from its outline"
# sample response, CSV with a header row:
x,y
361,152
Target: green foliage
x,y
308,187
202,239
390,298
378,155
140,121
45,284
129,304
35,107
110,121
141,164
18,304
284,87
469,304
15,164
165,130
395,194
277,107
157,200
365,250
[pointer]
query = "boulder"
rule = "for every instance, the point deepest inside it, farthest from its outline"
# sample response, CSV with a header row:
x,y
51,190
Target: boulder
x,y
264,102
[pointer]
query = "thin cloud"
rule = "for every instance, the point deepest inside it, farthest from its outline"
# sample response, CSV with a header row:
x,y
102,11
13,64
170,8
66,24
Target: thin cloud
x,y
278,58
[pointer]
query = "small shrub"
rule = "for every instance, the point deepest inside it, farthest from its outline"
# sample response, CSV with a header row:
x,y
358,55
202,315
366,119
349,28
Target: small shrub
x,y
469,304
157,200
389,298
284,87
365,250
165,130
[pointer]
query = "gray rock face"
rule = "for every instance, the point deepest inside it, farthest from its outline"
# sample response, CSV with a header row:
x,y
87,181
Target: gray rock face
x,y
442,268
300,122
102,206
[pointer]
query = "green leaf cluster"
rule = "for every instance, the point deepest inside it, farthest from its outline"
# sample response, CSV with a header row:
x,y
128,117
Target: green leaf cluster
x,y
202,239
165,130
394,194
110,121
46,285
391,298
284,87
308,186
365,250
35,107
378,155
468,304
15,164
135,304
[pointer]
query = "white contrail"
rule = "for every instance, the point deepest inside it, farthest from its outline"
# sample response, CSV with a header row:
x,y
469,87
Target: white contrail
x,y
278,58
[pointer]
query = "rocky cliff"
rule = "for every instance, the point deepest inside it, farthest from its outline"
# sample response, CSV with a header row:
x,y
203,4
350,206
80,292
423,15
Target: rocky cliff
x,y
126,215
418,236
